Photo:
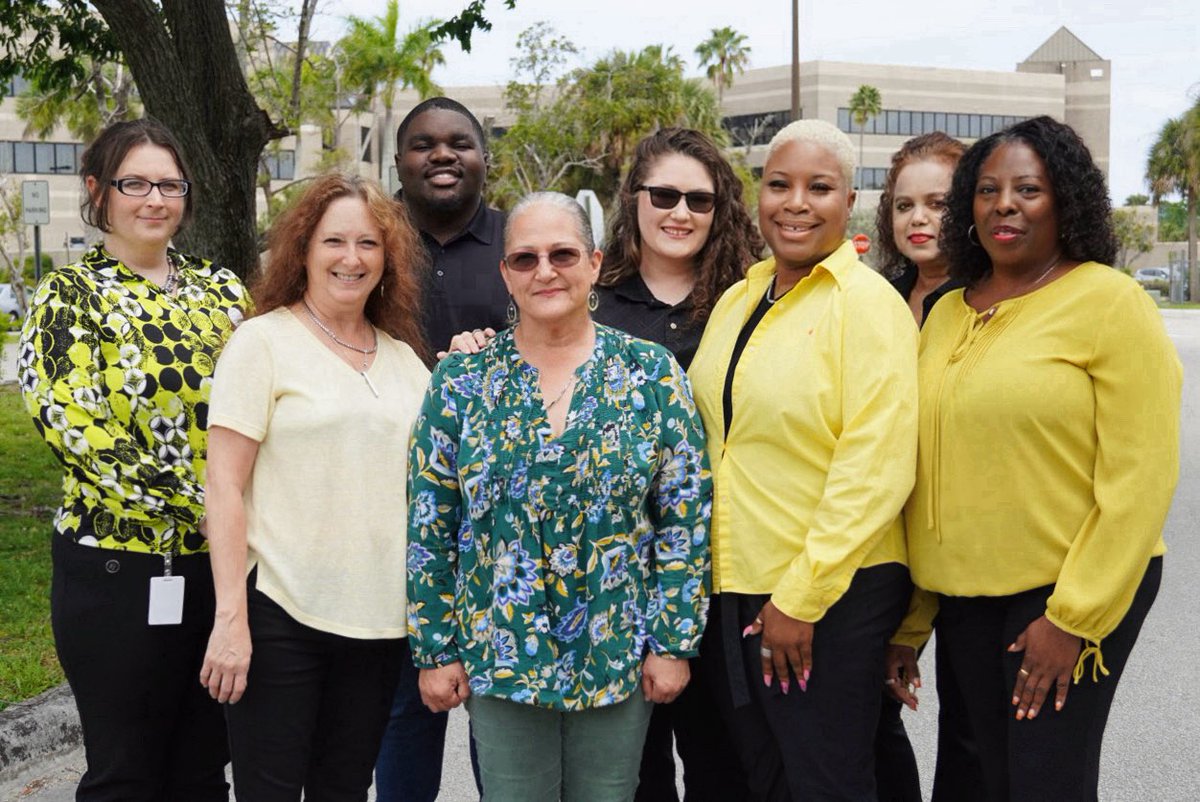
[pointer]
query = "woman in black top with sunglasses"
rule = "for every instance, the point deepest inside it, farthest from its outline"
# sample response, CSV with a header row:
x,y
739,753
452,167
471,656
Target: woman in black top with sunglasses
x,y
680,238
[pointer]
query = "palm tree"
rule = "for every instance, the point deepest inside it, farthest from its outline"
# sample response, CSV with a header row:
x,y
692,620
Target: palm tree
x,y
723,53
865,103
379,62
1173,166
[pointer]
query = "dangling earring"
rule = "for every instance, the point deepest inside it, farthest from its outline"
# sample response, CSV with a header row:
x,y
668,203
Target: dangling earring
x,y
593,300
381,287
512,315
974,241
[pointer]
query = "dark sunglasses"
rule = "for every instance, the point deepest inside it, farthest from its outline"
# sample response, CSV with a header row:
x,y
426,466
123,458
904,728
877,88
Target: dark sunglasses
x,y
524,261
667,198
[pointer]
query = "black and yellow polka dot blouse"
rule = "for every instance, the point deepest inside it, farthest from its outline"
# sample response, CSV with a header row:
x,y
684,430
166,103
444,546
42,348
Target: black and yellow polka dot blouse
x,y
116,374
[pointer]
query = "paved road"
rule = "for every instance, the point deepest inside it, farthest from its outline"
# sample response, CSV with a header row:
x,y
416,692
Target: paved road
x,y
1152,748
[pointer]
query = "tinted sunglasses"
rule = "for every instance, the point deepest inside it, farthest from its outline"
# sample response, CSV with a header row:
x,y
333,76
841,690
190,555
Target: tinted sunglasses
x,y
524,261
667,198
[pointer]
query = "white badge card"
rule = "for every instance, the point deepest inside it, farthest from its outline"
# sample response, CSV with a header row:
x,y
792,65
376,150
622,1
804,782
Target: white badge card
x,y
166,600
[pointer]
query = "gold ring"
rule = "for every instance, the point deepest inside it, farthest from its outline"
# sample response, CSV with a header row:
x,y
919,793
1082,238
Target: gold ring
x,y
1023,672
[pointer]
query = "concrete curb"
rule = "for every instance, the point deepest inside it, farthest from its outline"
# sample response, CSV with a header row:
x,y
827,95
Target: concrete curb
x,y
37,730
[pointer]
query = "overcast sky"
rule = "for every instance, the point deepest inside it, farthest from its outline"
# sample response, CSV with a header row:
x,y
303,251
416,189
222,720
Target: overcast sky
x,y
1154,45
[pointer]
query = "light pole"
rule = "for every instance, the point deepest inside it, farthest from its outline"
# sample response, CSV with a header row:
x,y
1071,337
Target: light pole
x,y
795,59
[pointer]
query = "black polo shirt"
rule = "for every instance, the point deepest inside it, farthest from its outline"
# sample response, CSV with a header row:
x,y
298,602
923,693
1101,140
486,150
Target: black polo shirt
x,y
907,279
632,308
462,288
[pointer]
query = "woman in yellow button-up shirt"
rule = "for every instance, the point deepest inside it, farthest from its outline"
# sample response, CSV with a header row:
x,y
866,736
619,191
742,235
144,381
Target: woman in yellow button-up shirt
x,y
1049,450
806,380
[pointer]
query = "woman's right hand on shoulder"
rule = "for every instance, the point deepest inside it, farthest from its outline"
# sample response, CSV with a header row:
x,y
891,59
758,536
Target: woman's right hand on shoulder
x,y
445,687
469,342
227,659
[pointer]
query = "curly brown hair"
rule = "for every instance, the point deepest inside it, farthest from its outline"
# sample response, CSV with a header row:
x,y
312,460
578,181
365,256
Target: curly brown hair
x,y
927,147
396,308
1085,229
733,242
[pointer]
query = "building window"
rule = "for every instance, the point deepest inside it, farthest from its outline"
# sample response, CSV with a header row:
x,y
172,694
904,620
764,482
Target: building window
x,y
46,158
755,129
896,122
871,177
16,86
281,165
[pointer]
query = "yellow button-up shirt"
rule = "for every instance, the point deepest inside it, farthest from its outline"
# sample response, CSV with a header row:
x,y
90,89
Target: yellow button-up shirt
x,y
821,452
1049,445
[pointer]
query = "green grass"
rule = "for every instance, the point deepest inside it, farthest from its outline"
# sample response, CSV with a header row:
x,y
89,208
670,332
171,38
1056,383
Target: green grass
x,y
30,490
1178,306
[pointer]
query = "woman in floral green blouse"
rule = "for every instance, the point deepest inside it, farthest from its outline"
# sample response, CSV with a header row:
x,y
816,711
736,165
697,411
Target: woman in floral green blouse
x,y
116,363
558,528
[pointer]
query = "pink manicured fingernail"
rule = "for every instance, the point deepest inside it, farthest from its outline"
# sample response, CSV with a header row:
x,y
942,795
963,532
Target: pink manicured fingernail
x,y
804,684
807,674
784,684
746,632
767,680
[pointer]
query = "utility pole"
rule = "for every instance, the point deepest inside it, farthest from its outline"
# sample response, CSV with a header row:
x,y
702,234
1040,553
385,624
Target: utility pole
x,y
795,59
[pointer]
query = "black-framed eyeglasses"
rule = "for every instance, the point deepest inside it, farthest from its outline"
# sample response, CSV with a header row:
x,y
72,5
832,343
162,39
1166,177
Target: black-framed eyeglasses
x,y
140,187
524,261
667,198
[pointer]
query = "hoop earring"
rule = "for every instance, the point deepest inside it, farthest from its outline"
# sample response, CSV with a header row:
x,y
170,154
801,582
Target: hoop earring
x,y
974,241
593,300
512,315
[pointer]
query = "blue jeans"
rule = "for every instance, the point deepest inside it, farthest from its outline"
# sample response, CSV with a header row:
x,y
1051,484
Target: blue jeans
x,y
409,766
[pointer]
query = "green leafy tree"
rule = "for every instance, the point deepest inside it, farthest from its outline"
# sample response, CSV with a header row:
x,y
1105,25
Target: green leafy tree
x,y
1137,199
1134,237
189,75
13,242
1173,167
865,103
106,96
582,134
379,61
723,53
1172,221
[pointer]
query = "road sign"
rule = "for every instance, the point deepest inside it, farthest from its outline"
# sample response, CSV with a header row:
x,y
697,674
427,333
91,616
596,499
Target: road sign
x,y
862,243
35,203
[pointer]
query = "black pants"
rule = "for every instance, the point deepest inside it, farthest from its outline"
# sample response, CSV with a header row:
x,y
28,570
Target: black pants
x,y
314,710
1056,756
711,770
958,776
819,744
150,730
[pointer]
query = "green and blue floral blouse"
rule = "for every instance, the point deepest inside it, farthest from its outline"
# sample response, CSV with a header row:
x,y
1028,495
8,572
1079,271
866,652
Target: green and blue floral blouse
x,y
550,565
116,374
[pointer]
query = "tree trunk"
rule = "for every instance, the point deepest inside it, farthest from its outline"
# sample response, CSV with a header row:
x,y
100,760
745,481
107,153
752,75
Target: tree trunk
x,y
188,76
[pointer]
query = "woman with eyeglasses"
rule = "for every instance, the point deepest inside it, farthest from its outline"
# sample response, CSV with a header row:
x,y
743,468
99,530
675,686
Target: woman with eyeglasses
x,y
116,363
806,380
558,528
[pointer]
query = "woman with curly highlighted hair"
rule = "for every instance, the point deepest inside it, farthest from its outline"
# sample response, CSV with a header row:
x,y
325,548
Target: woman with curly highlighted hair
x,y
312,405
1049,450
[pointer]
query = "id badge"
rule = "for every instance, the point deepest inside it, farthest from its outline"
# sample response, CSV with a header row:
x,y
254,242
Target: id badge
x,y
166,600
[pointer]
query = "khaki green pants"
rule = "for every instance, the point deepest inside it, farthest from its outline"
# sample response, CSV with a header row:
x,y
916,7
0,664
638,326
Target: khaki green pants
x,y
531,754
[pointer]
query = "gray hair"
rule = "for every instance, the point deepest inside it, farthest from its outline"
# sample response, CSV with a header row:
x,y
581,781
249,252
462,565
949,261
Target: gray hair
x,y
555,200
824,134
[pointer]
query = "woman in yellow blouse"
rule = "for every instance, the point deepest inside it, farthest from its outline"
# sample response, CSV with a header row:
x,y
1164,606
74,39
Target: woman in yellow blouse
x,y
1049,436
806,380
116,364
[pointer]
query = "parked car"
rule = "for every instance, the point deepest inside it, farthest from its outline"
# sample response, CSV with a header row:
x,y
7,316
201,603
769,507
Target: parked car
x,y
10,310
1145,275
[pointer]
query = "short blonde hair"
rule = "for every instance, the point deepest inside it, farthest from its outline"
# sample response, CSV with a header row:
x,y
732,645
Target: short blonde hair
x,y
819,132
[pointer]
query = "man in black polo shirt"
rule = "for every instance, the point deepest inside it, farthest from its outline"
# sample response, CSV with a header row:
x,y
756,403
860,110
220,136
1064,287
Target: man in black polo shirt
x,y
441,157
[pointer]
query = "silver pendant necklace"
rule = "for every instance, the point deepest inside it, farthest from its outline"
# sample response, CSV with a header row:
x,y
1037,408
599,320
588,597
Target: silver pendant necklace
x,y
547,407
366,352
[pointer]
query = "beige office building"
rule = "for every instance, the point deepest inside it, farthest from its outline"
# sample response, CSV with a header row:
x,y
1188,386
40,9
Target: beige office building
x,y
1063,78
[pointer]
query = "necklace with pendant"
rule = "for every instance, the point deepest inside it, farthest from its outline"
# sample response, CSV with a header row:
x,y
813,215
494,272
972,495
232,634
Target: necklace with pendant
x,y
1022,290
547,407
366,352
